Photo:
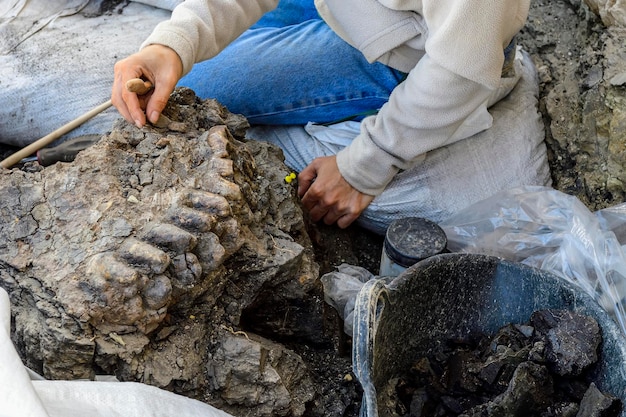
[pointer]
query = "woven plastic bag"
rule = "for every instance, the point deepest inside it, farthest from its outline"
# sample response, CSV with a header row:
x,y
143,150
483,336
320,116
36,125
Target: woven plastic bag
x,y
511,153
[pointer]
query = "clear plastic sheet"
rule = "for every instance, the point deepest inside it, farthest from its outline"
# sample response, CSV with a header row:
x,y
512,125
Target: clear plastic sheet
x,y
553,231
534,225
341,288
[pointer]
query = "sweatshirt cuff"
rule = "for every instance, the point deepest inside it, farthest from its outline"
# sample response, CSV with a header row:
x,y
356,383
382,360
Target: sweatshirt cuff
x,y
175,41
365,166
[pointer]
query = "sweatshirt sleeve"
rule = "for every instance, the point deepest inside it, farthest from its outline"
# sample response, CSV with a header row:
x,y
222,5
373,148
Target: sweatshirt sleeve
x,y
467,37
199,29
432,108
445,96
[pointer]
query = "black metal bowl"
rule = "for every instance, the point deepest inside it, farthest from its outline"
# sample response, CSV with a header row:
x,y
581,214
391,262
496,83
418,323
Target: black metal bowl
x,y
452,296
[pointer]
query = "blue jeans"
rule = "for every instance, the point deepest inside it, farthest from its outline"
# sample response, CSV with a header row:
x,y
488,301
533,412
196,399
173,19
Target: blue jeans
x,y
290,68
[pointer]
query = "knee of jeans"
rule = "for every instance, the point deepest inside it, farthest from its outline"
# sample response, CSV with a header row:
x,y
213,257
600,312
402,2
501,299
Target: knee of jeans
x,y
289,12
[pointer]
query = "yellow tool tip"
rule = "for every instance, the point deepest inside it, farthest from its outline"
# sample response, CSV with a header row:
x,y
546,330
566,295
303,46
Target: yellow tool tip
x,y
290,177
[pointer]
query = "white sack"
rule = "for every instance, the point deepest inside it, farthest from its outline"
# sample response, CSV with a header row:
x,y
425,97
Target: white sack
x,y
56,63
511,153
17,395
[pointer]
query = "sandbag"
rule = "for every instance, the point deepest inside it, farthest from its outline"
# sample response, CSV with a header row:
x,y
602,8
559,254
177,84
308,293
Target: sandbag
x,y
511,153
57,58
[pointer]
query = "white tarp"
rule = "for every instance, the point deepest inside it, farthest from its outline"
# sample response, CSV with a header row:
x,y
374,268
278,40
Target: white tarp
x,y
57,58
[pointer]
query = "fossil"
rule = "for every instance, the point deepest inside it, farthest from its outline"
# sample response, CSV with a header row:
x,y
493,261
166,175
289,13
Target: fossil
x,y
138,258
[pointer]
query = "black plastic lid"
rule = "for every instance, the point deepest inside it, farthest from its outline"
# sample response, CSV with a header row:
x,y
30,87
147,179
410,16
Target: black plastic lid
x,y
412,239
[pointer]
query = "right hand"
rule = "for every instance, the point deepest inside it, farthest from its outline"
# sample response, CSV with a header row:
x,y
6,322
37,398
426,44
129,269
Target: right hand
x,y
158,64
328,196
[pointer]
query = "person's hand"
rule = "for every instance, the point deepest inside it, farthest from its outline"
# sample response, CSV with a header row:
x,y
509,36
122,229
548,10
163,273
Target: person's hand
x,y
155,63
328,196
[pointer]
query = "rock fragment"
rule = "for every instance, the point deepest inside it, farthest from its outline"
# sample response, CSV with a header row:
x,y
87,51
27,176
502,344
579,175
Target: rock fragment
x,y
537,368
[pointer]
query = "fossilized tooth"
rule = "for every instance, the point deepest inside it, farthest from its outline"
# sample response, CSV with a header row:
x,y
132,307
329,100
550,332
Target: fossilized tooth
x,y
139,227
170,237
122,262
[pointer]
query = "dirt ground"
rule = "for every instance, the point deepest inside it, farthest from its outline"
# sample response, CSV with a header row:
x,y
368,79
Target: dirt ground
x,y
341,394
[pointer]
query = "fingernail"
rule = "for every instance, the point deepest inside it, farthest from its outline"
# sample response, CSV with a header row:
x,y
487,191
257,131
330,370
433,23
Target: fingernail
x,y
154,116
138,124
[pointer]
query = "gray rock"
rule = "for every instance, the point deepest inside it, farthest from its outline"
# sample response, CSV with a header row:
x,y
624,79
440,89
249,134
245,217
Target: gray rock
x,y
571,340
579,50
135,258
613,13
597,404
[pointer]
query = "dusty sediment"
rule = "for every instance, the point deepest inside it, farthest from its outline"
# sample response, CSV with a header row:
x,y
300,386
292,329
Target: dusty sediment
x,y
579,50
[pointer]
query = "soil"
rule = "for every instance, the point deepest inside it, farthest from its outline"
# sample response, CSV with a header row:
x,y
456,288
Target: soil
x,y
341,394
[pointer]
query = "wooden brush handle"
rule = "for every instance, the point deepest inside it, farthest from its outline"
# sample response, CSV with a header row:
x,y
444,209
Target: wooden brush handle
x,y
135,85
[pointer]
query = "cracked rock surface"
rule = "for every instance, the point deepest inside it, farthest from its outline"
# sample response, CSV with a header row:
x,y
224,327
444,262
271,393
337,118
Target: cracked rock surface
x,y
138,259
579,50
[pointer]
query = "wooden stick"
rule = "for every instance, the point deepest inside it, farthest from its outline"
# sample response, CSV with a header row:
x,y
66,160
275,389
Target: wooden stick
x,y
136,85
51,137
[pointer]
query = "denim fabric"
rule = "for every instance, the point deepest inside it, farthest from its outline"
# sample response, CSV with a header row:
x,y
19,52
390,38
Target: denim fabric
x,y
291,68
508,68
289,12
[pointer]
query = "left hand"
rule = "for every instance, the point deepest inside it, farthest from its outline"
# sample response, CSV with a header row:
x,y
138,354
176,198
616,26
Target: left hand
x,y
328,196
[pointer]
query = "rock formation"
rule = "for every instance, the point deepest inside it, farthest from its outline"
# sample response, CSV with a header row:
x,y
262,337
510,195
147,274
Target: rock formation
x,y
580,53
138,259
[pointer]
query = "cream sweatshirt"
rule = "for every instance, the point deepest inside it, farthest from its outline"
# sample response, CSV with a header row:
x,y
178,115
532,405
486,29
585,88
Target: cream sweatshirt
x,y
452,51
